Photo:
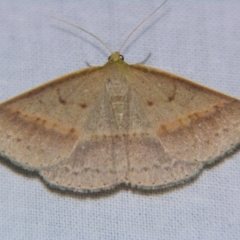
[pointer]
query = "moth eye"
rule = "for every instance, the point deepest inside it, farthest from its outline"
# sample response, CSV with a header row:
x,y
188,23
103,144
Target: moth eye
x,y
121,56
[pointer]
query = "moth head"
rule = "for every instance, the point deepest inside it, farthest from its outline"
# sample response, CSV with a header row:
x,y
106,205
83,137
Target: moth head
x,y
115,57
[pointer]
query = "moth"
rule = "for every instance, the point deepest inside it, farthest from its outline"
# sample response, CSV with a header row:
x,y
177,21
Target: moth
x,y
118,123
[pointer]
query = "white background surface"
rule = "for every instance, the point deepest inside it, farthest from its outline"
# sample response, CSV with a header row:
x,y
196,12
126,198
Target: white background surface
x,y
196,39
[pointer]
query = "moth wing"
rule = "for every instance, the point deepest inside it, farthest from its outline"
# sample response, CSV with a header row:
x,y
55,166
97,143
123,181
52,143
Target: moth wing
x,y
41,127
189,126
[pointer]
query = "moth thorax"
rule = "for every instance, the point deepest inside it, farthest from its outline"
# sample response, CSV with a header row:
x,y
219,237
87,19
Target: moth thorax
x,y
117,94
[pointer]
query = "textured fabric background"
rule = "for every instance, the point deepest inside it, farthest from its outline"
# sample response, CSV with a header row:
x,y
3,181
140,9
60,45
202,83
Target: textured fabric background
x,y
196,39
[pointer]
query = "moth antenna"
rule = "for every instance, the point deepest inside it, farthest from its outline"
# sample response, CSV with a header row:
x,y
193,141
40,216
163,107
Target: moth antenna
x,y
85,32
144,20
